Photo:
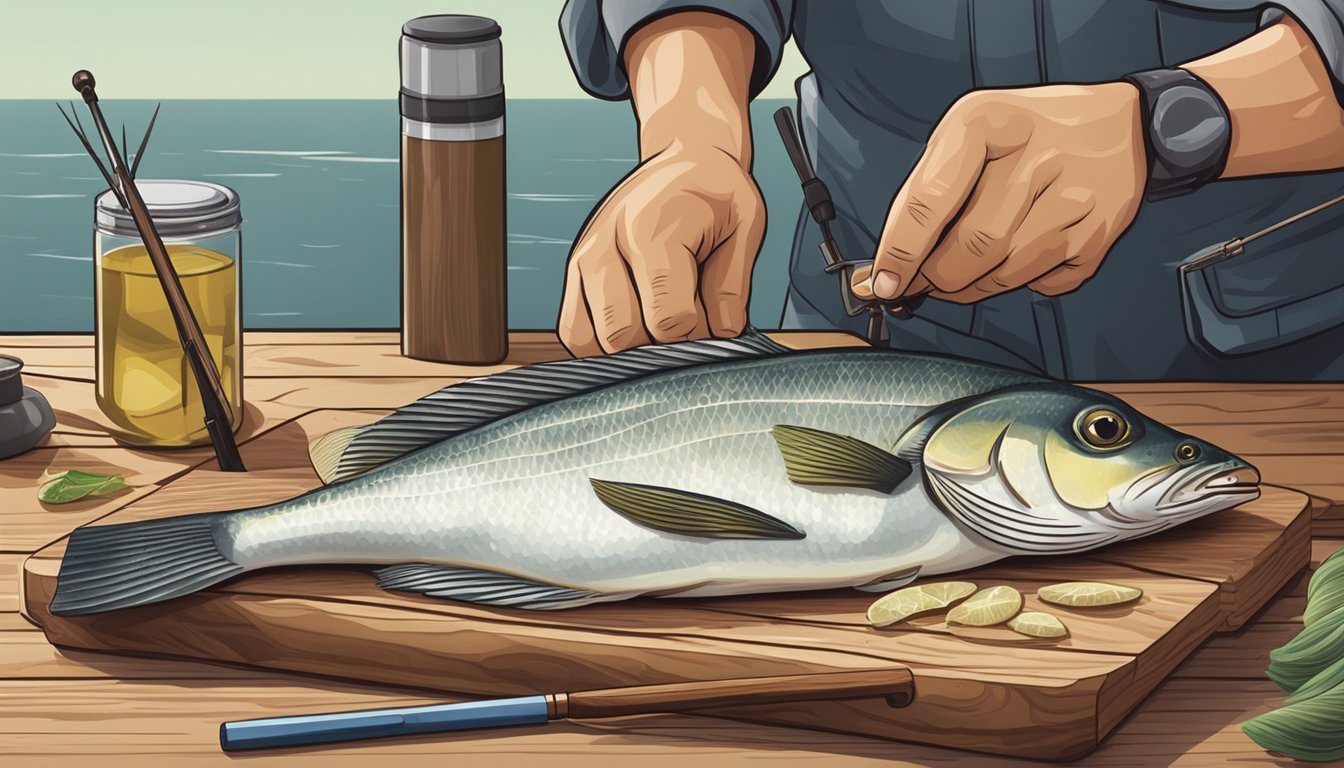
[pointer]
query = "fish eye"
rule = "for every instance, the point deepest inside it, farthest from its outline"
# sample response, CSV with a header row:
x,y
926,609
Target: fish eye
x,y
1102,428
1187,452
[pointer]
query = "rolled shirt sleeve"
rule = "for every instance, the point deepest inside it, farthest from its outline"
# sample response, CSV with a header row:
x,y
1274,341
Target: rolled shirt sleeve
x,y
1322,19
595,33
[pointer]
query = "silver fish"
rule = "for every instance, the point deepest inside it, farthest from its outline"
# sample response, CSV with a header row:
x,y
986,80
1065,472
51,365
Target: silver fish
x,y
707,468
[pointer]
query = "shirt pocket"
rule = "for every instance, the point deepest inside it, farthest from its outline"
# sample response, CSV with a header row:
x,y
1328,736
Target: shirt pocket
x,y
1283,288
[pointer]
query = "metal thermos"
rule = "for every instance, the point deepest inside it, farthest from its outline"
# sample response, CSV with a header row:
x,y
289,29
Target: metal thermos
x,y
453,305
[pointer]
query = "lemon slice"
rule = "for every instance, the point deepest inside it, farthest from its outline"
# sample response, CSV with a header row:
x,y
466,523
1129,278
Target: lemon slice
x,y
1038,624
913,601
1088,594
988,607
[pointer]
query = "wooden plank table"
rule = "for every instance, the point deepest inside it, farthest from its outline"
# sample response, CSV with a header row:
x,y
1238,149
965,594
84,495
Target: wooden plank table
x,y
61,703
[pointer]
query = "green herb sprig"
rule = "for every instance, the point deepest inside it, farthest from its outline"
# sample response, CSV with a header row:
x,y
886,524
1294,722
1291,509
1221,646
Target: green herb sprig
x,y
73,485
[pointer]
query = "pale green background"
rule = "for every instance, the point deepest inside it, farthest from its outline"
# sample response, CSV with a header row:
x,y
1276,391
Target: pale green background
x,y
266,49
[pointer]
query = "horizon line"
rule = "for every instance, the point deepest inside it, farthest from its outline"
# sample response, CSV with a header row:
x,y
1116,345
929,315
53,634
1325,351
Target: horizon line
x,y
343,98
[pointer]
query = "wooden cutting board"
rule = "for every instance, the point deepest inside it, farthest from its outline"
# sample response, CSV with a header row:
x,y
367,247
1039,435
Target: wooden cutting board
x,y
985,690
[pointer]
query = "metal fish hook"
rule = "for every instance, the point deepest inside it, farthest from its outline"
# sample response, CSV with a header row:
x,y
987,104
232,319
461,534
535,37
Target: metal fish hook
x,y
819,204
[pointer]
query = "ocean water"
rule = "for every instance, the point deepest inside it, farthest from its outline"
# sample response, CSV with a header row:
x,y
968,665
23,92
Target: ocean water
x,y
319,183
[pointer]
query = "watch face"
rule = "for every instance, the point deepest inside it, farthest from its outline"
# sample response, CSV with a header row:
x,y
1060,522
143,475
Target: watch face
x,y
1190,126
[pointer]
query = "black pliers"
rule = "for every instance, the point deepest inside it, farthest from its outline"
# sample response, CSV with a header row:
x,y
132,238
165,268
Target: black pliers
x,y
819,204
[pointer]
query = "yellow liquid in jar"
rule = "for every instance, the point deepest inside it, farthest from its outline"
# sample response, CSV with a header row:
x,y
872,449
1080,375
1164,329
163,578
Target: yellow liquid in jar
x,y
145,384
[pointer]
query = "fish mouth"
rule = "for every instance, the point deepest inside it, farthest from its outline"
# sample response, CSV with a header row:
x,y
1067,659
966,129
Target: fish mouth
x,y
1237,480
1209,488
1171,495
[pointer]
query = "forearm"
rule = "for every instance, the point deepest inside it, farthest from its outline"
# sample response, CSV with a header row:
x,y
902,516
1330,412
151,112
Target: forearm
x,y
690,76
1285,116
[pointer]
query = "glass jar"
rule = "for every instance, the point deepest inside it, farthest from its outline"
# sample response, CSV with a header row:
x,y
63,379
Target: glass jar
x,y
144,383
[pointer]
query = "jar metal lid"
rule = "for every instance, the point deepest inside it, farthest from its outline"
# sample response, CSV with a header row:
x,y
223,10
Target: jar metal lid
x,y
179,209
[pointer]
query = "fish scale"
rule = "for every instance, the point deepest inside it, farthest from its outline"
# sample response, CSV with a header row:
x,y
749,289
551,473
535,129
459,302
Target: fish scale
x,y
697,469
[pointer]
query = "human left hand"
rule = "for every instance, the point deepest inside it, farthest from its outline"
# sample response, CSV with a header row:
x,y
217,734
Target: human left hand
x,y
1032,186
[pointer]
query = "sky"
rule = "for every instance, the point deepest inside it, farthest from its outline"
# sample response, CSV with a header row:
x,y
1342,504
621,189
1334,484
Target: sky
x,y
267,49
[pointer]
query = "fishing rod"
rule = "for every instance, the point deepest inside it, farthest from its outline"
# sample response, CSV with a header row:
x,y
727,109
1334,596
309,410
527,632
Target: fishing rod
x,y
122,183
894,684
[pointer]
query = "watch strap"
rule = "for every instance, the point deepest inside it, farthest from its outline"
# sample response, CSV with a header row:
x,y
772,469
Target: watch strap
x,y
1186,130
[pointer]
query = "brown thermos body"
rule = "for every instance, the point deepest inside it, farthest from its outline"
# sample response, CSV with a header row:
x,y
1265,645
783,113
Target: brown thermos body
x,y
453,276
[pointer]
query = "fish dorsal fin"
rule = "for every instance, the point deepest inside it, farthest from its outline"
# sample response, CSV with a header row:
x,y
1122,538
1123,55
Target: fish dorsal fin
x,y
815,457
353,451
690,514
326,451
485,587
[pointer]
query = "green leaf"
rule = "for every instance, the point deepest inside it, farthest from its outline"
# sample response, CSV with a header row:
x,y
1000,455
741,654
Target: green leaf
x,y
1314,649
1330,569
1328,678
72,485
1329,598
1311,729
1325,591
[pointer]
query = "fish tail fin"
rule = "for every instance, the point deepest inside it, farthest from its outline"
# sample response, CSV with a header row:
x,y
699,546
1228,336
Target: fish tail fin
x,y
121,566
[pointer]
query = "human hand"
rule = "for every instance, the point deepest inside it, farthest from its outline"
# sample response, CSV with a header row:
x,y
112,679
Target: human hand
x,y
1032,186
667,256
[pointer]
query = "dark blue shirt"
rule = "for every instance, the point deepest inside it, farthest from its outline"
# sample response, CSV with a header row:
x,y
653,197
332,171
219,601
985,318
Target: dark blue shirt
x,y
883,72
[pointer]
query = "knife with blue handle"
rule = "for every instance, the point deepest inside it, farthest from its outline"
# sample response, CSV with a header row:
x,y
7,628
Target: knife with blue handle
x,y
895,685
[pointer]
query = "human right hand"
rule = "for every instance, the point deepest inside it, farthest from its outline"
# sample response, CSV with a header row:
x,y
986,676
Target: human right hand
x,y
1017,187
667,256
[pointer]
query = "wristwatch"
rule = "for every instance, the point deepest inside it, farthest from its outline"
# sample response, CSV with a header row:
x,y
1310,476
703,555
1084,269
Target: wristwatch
x,y
1186,130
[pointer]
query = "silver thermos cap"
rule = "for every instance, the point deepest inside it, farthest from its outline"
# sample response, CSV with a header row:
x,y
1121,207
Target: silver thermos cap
x,y
452,80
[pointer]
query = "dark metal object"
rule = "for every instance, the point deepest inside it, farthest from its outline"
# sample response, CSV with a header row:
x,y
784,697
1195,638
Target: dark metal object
x,y
25,416
188,330
1237,245
98,161
1229,334
140,152
446,111
818,200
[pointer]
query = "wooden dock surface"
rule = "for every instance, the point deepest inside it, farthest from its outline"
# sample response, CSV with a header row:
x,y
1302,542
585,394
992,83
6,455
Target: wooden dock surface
x,y
61,706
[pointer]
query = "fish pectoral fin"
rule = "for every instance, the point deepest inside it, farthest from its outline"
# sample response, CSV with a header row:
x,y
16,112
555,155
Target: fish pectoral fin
x,y
816,457
485,587
690,514
891,581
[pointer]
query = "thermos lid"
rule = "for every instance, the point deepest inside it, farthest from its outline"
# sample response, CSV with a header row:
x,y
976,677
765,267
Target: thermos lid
x,y
179,209
451,29
452,78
